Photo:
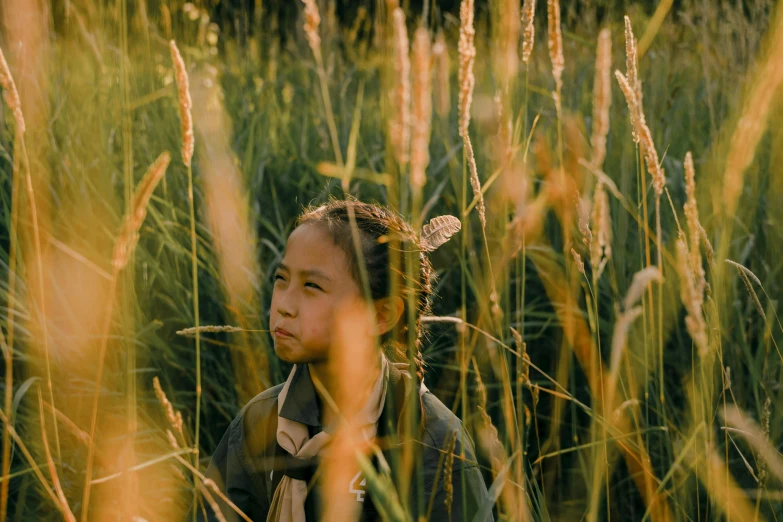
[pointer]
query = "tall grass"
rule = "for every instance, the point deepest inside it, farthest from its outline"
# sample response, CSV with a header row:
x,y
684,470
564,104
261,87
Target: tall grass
x,y
607,324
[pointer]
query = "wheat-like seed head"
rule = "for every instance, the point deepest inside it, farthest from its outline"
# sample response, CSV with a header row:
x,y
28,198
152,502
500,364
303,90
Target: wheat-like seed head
x,y
630,56
467,55
185,104
580,265
209,329
505,53
641,279
129,233
692,299
174,419
555,41
422,107
10,94
528,19
602,97
642,134
400,124
448,467
312,19
475,183
694,226
440,53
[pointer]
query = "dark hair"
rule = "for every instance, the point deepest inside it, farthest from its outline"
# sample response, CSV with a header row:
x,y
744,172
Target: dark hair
x,y
379,227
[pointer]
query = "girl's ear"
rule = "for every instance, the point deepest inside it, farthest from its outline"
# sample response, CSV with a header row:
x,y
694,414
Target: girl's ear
x,y
387,312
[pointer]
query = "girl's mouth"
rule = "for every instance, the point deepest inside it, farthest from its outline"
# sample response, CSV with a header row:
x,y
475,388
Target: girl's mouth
x,y
279,332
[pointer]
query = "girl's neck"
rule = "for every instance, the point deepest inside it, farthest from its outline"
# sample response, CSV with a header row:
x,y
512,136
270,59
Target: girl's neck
x,y
330,380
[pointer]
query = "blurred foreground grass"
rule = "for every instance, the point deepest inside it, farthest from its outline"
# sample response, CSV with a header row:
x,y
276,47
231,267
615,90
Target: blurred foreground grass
x,y
100,105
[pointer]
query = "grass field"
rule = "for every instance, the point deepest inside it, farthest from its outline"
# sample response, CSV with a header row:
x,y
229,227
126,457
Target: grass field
x,y
607,319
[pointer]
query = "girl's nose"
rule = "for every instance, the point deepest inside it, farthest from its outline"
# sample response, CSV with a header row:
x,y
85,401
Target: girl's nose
x,y
285,305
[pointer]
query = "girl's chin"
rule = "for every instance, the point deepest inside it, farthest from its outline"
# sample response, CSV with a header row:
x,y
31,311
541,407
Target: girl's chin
x,y
294,354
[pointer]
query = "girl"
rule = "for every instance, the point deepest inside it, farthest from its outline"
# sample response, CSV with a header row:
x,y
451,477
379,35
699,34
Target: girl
x,y
267,462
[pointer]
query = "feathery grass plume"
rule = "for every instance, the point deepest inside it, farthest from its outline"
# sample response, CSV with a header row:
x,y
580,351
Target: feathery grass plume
x,y
209,329
312,19
642,134
694,226
422,107
602,97
448,470
555,47
505,53
601,234
467,55
129,233
440,52
631,68
173,416
758,437
185,104
528,20
10,94
475,183
753,122
172,440
694,321
400,123
213,505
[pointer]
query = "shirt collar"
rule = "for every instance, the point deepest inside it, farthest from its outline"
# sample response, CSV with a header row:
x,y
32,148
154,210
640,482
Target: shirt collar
x,y
301,403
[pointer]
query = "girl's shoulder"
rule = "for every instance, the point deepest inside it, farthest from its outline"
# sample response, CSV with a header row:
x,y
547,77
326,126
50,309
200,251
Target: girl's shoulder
x,y
254,428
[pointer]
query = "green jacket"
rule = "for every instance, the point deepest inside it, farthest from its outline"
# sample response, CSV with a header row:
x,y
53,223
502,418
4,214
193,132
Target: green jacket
x,y
248,464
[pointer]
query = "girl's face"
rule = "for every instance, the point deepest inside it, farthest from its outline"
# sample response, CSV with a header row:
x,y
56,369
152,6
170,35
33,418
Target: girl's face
x,y
311,281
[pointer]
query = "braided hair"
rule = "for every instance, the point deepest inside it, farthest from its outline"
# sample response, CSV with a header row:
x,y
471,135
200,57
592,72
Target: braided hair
x,y
376,225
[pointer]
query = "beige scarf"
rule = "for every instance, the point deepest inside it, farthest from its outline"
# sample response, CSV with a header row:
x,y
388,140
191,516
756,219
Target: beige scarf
x,y
289,498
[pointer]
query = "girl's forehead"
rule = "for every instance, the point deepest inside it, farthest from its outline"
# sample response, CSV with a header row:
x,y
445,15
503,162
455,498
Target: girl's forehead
x,y
311,245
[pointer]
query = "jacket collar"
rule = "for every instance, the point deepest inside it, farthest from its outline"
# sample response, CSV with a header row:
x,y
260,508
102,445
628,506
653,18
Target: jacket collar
x,y
301,403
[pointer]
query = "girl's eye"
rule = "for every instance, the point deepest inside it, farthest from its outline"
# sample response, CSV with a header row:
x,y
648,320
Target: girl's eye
x,y
278,277
313,285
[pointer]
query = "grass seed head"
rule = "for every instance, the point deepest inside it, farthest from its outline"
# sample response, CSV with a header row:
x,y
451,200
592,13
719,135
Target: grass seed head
x,y
467,55
400,125
134,218
312,19
528,20
185,104
440,53
555,41
602,97
422,107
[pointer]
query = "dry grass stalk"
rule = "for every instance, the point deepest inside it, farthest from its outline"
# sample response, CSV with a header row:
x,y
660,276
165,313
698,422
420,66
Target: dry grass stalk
x,y
528,19
440,52
212,503
209,329
746,275
524,357
692,299
10,94
642,133
694,225
312,19
467,55
555,46
400,124
129,233
422,107
475,182
601,234
174,417
602,97
185,104
448,470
